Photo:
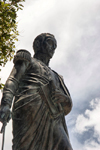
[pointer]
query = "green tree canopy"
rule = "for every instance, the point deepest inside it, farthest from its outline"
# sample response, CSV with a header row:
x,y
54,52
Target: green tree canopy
x,y
8,29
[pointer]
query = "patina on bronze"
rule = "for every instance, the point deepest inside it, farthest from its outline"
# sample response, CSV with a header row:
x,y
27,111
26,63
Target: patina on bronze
x,y
41,100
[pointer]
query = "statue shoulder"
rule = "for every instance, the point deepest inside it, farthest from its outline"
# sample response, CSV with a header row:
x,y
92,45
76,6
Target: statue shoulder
x,y
61,79
59,75
22,55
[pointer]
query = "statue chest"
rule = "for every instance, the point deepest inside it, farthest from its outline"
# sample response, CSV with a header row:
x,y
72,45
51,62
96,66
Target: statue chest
x,y
41,71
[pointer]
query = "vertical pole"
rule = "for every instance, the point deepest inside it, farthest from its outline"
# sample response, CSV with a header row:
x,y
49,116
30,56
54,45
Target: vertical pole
x,y
3,131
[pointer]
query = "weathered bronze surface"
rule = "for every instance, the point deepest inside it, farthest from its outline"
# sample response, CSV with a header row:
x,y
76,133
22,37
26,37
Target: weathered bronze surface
x,y
41,100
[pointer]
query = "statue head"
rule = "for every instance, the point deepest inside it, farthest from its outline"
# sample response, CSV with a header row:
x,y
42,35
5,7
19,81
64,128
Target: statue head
x,y
45,43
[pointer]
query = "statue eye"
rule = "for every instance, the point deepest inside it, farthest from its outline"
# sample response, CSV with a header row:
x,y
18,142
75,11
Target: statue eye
x,y
50,42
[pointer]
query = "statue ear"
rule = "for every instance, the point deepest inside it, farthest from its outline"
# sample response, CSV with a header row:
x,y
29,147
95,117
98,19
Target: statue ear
x,y
37,45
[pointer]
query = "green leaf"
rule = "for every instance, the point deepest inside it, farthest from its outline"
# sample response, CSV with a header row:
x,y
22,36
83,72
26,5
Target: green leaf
x,y
8,29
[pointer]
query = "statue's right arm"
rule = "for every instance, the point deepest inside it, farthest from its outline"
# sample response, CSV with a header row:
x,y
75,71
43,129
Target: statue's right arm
x,y
21,62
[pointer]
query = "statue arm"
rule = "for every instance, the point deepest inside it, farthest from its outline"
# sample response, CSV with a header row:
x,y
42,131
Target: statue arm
x,y
21,62
67,105
12,82
64,100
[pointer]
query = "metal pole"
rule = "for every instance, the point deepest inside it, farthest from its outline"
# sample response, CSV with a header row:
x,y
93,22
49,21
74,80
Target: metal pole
x,y
3,131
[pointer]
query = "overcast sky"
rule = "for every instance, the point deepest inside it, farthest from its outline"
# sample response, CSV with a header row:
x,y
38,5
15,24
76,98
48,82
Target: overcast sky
x,y
76,26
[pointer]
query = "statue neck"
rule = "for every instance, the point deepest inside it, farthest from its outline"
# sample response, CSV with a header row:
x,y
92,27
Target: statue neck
x,y
42,57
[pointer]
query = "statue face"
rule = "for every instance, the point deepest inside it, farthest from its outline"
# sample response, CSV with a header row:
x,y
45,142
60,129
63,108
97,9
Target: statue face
x,y
49,47
45,43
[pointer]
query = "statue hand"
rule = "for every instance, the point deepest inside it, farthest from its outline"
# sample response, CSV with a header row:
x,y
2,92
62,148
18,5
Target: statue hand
x,y
59,97
5,113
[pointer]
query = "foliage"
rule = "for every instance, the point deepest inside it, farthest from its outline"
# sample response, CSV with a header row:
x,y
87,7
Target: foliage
x,y
8,29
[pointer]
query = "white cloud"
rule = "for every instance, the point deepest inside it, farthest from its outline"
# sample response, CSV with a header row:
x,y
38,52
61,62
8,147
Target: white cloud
x,y
90,119
91,145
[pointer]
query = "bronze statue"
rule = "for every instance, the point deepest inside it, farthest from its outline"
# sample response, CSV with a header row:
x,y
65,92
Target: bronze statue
x,y
41,100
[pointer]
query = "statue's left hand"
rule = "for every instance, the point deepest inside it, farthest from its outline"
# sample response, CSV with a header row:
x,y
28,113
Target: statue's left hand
x,y
5,113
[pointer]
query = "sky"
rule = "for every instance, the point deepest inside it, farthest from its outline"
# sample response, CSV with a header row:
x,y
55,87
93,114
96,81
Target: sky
x,y
76,26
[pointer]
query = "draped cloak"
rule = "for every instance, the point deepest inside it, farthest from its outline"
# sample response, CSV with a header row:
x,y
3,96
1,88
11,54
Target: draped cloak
x,y
38,113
